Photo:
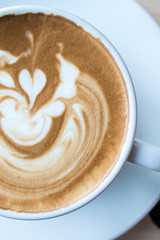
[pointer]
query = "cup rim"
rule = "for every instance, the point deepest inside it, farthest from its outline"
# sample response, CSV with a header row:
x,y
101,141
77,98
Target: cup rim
x,y
129,139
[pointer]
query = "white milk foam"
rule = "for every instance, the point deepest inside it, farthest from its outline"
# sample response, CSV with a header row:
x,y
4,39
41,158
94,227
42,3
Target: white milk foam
x,y
26,129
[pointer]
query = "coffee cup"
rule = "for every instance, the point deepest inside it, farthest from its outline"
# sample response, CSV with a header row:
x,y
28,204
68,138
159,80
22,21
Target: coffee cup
x,y
94,106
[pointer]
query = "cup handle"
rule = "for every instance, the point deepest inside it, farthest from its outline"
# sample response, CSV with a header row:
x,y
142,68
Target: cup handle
x,y
145,154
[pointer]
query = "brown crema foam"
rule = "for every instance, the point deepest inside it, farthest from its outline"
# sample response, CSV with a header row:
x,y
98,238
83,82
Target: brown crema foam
x,y
60,157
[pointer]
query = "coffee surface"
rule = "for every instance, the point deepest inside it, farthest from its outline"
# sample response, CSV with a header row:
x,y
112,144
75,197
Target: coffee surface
x,y
63,112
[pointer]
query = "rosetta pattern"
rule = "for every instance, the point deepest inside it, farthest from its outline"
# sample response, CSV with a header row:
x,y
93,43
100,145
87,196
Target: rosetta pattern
x,y
78,103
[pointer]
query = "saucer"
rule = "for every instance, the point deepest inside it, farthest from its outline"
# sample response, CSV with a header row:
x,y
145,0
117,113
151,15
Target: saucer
x,y
136,189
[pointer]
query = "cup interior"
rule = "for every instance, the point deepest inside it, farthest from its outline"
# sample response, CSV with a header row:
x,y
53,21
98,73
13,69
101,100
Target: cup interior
x,y
132,112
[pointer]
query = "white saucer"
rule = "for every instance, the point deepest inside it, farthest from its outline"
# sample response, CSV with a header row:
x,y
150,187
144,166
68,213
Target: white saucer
x,y
136,190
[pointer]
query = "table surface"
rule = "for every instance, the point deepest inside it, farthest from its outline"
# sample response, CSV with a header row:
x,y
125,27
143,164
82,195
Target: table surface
x,y
146,229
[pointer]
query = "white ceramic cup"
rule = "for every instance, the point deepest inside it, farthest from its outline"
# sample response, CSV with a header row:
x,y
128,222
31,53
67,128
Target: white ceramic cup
x,y
134,150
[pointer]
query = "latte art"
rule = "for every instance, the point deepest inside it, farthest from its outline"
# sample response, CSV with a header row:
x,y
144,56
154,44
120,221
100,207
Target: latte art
x,y
55,114
24,129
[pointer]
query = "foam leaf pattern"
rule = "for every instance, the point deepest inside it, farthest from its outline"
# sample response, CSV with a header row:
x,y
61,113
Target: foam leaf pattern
x,y
32,86
25,81
7,58
53,109
68,74
6,80
39,82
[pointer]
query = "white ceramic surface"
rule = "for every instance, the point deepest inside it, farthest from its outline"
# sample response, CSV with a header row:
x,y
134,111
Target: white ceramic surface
x,y
136,190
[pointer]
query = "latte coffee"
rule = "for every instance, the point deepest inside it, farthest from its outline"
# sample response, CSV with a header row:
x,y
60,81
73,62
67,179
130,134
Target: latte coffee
x,y
63,112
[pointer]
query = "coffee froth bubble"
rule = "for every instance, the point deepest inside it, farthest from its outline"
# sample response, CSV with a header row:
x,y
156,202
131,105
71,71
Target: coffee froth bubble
x,y
54,115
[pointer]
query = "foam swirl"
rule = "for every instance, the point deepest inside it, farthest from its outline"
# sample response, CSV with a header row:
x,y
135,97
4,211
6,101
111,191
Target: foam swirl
x,y
57,142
